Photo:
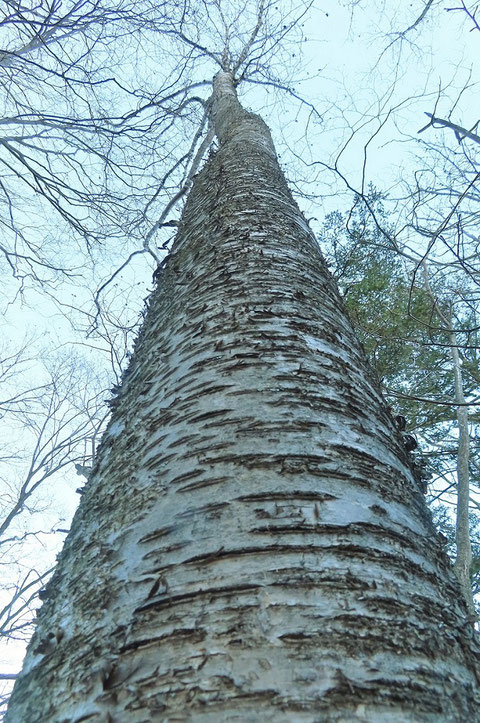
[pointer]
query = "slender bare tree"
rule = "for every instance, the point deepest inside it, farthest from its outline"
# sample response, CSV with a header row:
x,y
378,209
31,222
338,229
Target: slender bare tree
x,y
463,560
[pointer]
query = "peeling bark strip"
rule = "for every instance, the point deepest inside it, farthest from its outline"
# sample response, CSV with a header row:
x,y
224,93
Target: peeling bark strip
x,y
251,544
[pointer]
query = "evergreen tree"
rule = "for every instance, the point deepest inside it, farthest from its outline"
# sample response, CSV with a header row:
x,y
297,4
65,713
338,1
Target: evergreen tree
x,y
409,350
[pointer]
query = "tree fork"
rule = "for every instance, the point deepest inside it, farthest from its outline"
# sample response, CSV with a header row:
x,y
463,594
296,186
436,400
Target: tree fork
x,y
251,543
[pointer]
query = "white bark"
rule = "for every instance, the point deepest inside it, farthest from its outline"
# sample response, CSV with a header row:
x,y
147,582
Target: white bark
x,y
463,558
251,544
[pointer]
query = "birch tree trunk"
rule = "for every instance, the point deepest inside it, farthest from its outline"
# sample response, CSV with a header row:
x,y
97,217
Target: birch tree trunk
x,y
251,544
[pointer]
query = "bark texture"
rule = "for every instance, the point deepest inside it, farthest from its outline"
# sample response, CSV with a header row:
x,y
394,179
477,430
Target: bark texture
x,y
251,545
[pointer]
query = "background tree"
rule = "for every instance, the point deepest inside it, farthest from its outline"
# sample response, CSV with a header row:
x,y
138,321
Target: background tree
x,y
408,337
47,428
432,215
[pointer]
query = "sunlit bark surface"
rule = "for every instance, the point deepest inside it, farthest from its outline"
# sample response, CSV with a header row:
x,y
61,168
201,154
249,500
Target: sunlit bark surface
x,y
251,544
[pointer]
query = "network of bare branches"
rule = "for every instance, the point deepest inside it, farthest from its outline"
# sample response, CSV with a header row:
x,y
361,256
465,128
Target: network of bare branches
x,y
47,426
104,127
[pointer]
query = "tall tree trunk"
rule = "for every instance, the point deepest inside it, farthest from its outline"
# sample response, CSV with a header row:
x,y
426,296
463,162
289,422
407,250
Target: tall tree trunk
x,y
251,544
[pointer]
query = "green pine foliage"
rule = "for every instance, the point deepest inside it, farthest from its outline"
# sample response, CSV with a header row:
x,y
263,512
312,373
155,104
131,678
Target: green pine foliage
x,y
442,517
396,321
